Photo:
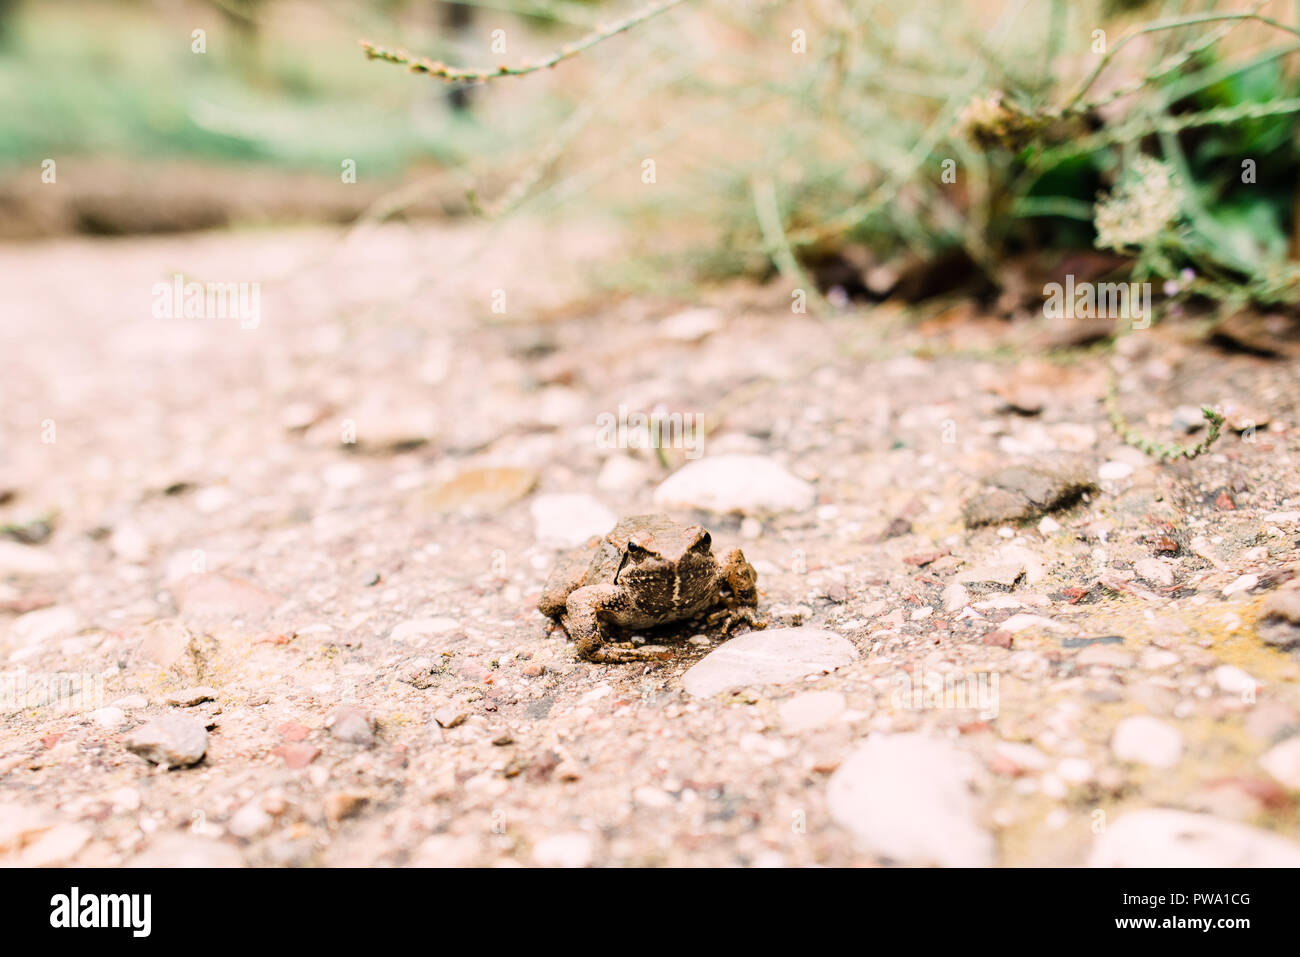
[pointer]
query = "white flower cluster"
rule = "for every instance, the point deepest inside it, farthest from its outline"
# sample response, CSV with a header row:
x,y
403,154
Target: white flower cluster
x,y
1146,201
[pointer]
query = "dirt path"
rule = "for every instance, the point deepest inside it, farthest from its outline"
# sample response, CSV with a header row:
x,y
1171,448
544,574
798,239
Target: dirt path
x,y
361,614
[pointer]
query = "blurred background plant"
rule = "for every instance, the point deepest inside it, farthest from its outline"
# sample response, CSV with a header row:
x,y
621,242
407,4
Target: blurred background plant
x,y
871,149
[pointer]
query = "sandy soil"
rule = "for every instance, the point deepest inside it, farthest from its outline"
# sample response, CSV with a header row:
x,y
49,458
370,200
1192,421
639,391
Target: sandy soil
x,y
214,525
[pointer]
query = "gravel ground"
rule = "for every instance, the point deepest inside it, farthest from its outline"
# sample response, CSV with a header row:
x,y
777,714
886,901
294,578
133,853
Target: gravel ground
x,y
268,595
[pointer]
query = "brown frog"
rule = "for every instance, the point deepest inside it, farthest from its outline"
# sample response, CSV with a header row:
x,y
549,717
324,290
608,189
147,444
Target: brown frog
x,y
648,571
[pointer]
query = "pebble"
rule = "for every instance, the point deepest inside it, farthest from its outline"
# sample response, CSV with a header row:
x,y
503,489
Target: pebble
x,y
171,740
187,850
748,484
353,726
1146,740
1283,762
955,597
1242,584
450,716
1234,680
1279,623
564,850
129,543
1187,419
773,656
811,709
57,846
44,624
27,561
1106,655
1019,492
569,519
1021,622
188,697
250,821
1155,571
215,597
482,489
907,798
344,804
1005,575
1113,471
1162,839
691,325
109,718
297,756
622,473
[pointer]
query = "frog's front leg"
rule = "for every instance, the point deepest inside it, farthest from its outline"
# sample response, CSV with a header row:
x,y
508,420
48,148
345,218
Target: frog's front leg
x,y
738,585
589,621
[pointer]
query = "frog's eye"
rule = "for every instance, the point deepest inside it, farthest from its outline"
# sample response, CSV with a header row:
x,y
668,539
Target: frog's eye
x,y
636,551
703,543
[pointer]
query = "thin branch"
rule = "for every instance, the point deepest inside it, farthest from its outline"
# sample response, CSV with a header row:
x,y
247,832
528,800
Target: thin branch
x,y
453,74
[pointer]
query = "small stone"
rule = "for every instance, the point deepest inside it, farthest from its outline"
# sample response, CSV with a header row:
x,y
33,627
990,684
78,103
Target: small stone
x,y
955,597
1243,584
1155,571
1113,471
1160,838
344,804
1187,419
297,756
26,561
1282,761
57,846
353,726
569,519
691,325
1146,740
1021,492
44,624
621,473
907,798
811,709
132,702
171,740
1279,623
188,697
997,638
109,718
450,716
482,490
1106,655
565,850
1233,680
747,484
1017,623
1005,575
186,850
774,656
446,850
129,543
212,597
250,821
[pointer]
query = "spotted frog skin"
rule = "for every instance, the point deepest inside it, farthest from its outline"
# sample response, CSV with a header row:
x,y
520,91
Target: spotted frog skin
x,y
647,571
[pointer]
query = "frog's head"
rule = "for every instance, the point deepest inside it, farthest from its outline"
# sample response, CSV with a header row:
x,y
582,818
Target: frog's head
x,y
667,567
